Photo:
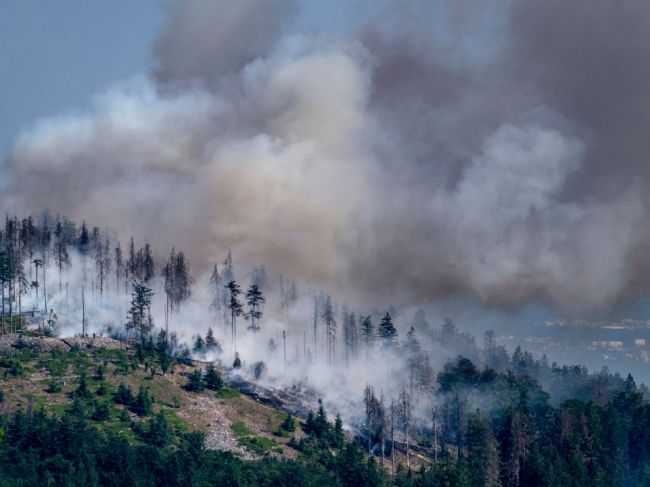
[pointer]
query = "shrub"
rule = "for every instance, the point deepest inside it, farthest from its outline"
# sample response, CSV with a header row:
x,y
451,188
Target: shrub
x,y
54,386
102,412
258,369
102,389
212,379
289,424
195,382
143,404
82,391
123,395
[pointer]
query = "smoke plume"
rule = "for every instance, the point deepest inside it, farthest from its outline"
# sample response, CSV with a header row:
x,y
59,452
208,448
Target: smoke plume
x,y
496,151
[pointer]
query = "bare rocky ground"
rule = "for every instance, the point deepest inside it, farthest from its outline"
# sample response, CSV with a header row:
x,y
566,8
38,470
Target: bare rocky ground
x,y
11,342
219,434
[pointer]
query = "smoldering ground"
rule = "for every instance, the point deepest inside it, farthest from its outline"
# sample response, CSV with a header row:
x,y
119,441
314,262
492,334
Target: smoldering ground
x,y
496,151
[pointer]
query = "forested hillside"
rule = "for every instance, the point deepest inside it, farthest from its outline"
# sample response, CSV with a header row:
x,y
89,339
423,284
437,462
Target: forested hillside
x,y
126,368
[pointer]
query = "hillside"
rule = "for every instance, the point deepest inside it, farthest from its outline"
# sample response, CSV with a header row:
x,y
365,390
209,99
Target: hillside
x,y
98,411
43,374
101,411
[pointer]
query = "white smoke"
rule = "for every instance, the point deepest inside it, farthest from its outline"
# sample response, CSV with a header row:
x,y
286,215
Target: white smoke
x,y
384,165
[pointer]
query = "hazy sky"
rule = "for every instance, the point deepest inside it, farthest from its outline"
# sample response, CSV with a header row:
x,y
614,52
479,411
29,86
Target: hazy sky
x,y
57,54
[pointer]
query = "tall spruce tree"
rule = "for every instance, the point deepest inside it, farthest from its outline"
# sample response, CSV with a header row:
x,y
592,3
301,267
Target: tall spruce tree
x,y
235,307
482,452
61,254
148,264
329,319
254,299
119,266
139,315
387,332
368,333
6,277
216,290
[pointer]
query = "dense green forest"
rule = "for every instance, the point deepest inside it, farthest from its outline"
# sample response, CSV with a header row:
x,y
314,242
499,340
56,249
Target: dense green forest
x,y
519,439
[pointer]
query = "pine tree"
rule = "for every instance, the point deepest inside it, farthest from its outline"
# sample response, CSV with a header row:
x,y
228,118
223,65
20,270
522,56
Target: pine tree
x,y
82,391
149,266
235,307
38,263
61,254
227,275
349,334
119,266
143,403
330,328
216,287
338,436
515,439
254,298
199,345
405,415
182,280
164,349
212,379
168,274
123,395
131,262
412,351
387,332
178,281
44,242
96,253
211,344
321,425
368,333
139,315
104,264
195,382
482,452
289,424
375,418
6,277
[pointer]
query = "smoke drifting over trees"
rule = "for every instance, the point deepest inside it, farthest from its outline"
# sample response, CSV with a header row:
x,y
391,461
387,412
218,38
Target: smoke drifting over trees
x,y
493,151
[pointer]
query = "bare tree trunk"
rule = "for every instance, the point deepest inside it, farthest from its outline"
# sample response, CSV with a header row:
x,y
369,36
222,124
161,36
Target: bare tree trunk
x,y
392,436
167,314
44,288
67,303
36,285
2,297
83,313
284,339
11,300
408,456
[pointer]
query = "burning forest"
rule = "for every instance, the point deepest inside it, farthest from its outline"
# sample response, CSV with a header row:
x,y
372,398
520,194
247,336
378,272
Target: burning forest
x,y
306,244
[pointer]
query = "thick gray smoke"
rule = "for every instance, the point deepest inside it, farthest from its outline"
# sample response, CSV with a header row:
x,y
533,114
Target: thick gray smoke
x,y
493,150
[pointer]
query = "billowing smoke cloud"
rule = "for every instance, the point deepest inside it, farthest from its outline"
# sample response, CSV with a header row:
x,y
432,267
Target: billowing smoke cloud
x,y
496,151
204,41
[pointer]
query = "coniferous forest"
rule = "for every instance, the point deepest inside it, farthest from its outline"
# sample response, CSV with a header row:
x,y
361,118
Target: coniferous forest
x,y
484,416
